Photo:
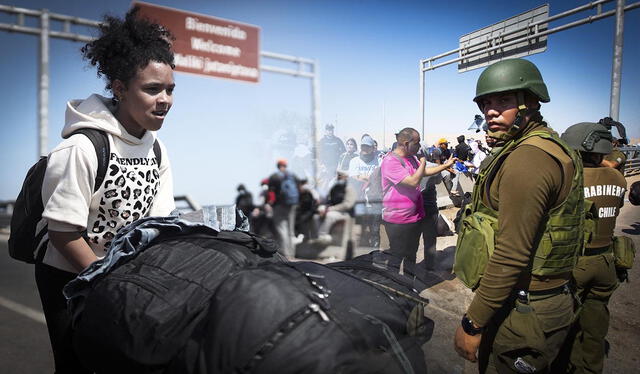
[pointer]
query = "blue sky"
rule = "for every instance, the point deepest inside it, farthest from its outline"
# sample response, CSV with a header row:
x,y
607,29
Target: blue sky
x,y
220,133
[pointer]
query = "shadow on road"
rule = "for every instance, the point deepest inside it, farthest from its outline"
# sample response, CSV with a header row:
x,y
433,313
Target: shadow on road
x,y
442,268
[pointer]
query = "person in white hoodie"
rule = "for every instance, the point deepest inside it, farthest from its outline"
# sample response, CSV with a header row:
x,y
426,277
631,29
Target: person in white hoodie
x,y
135,57
478,157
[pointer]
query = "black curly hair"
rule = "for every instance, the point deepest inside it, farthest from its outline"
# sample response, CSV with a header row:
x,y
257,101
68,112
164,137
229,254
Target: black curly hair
x,y
124,46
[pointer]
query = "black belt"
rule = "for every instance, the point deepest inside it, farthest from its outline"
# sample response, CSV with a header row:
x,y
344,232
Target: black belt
x,y
596,251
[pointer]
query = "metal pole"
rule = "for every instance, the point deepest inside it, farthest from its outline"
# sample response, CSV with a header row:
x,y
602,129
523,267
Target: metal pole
x,y
616,71
421,97
43,85
315,120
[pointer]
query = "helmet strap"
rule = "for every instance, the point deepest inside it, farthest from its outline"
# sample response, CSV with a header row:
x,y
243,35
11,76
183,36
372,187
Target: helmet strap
x,y
522,110
517,123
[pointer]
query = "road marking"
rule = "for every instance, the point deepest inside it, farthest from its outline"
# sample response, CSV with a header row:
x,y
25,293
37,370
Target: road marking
x,y
24,310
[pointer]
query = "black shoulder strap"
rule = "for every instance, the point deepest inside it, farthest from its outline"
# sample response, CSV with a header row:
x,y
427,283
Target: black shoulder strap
x,y
101,144
157,152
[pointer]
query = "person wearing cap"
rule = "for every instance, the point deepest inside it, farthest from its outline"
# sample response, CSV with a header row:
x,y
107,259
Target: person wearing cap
x,y
330,147
284,186
449,176
368,207
445,152
521,234
595,274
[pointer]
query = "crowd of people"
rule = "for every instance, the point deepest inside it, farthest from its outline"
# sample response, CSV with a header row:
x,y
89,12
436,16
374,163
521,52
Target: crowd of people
x,y
533,246
356,166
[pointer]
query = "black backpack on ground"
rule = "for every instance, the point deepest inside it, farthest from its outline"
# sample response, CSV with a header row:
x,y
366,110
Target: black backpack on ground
x,y
24,242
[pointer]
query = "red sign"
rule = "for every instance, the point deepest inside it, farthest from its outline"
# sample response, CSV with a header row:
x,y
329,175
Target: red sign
x,y
207,45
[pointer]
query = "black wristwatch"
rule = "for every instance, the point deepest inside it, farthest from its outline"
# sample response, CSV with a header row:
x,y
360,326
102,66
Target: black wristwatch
x,y
467,326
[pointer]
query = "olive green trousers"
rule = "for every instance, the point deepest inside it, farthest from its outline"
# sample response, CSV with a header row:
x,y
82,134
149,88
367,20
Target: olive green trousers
x,y
595,278
525,338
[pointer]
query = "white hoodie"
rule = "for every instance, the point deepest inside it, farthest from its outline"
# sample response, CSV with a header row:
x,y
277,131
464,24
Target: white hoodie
x,y
133,186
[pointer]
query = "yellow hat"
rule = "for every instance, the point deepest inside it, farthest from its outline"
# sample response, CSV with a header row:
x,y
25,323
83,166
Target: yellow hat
x,y
442,140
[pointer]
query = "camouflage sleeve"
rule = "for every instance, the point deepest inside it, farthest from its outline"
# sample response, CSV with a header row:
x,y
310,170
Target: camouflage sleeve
x,y
526,186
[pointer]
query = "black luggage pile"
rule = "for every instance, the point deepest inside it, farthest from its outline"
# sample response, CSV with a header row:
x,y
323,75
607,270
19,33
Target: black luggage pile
x,y
226,303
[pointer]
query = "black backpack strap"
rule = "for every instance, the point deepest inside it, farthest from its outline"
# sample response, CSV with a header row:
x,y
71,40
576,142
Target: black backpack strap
x,y
101,145
157,152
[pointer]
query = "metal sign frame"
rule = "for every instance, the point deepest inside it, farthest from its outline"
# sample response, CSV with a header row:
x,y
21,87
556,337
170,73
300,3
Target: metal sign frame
x,y
428,63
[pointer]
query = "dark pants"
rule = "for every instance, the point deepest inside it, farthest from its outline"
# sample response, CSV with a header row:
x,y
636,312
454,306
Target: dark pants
x,y
404,238
430,235
370,236
50,282
595,278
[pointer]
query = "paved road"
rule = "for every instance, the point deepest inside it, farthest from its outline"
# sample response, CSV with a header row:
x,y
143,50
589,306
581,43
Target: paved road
x,y
24,345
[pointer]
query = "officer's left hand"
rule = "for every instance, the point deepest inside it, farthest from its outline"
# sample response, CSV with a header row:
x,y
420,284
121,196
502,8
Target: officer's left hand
x,y
467,345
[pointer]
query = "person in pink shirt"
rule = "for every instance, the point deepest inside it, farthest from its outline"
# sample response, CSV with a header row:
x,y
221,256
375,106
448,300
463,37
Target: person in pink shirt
x,y
403,210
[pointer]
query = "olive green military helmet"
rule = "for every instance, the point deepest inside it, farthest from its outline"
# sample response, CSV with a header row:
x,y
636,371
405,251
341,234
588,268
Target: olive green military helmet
x,y
512,75
589,137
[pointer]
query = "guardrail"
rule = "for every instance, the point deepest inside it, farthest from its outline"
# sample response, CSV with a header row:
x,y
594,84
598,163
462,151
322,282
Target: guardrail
x,y
184,203
6,209
632,166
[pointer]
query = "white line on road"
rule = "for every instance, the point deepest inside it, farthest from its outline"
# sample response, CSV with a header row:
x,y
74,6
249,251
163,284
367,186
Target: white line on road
x,y
24,310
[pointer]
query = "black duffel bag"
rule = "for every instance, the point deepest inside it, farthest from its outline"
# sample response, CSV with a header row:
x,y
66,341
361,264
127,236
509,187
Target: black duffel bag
x,y
306,317
139,315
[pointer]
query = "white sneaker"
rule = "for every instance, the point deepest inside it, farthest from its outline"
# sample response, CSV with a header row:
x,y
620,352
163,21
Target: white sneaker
x,y
298,239
325,239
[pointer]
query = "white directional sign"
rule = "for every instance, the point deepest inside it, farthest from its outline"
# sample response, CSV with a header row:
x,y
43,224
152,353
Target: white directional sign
x,y
505,39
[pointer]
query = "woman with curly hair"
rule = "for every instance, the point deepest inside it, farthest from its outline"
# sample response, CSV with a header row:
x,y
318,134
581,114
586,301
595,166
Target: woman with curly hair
x,y
83,214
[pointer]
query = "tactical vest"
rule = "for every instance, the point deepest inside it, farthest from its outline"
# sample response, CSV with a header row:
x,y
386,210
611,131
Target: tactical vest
x,y
556,248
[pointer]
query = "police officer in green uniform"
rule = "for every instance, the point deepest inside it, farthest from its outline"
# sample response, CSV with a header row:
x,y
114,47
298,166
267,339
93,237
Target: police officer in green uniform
x,y
595,273
521,235
615,159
